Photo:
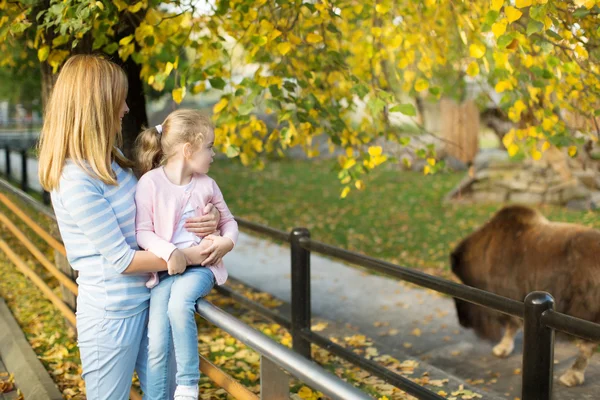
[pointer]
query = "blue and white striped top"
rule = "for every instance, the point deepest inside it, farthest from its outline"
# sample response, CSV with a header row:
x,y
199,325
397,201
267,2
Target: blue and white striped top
x,y
97,225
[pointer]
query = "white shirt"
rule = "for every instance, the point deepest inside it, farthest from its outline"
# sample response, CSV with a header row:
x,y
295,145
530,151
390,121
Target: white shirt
x,y
182,238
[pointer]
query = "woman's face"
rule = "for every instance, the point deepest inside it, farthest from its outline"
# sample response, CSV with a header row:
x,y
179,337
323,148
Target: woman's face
x,y
124,110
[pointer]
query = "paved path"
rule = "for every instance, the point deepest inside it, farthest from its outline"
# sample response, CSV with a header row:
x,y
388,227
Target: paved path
x,y
401,319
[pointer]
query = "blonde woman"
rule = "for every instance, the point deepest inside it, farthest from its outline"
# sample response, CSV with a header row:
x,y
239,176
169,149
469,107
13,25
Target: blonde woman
x,y
92,189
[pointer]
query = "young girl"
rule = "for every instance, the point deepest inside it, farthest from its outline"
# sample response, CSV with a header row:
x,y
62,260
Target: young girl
x,y
174,158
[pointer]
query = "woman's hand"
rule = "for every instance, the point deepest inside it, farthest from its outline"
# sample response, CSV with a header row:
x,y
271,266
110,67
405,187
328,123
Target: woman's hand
x,y
206,224
217,250
177,263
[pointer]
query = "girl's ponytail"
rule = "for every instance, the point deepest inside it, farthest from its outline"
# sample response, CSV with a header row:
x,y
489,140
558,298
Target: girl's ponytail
x,y
148,150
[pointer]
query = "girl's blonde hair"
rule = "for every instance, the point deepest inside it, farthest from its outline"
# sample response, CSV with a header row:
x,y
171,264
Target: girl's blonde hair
x,y
153,149
82,121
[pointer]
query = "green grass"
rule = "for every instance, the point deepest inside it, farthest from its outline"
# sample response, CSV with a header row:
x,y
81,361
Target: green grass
x,y
399,217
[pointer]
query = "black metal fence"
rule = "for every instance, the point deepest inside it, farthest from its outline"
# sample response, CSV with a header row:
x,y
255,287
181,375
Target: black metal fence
x,y
21,142
537,311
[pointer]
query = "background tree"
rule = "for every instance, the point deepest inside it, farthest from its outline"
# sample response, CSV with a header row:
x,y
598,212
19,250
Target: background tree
x,y
309,62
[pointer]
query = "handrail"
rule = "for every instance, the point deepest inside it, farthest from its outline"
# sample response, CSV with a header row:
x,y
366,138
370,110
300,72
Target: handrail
x,y
307,371
461,291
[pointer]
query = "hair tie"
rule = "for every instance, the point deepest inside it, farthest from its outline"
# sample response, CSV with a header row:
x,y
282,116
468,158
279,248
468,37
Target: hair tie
x,y
158,129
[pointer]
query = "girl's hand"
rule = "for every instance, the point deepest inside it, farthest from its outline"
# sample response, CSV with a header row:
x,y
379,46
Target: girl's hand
x,y
217,250
195,255
206,224
177,263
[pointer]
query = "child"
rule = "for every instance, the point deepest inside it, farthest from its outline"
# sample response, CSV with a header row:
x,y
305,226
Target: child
x,y
174,158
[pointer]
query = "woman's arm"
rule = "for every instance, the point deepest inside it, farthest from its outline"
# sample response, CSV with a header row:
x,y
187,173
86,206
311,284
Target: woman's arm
x,y
145,261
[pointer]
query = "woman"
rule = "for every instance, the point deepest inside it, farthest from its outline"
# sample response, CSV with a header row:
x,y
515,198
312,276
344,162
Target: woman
x,y
92,189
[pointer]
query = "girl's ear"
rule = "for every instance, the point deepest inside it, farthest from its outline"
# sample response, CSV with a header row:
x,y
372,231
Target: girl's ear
x,y
187,151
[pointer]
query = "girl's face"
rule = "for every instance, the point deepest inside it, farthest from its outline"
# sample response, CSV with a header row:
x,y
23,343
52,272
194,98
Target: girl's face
x,y
201,158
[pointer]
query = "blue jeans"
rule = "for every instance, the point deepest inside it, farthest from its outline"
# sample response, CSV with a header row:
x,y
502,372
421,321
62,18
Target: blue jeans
x,y
172,324
110,350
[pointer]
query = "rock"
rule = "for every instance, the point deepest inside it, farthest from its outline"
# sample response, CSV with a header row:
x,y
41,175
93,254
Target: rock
x,y
579,204
455,164
595,200
490,197
574,193
588,178
526,198
486,157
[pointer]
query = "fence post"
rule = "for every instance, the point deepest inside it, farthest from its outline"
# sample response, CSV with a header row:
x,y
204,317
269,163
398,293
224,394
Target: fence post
x,y
300,291
274,382
538,348
8,169
24,177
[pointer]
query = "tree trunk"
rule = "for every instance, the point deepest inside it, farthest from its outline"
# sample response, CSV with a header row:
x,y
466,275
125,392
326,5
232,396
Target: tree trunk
x,y
137,117
460,129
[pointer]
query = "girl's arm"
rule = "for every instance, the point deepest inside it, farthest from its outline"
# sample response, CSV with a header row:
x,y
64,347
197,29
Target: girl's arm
x,y
144,222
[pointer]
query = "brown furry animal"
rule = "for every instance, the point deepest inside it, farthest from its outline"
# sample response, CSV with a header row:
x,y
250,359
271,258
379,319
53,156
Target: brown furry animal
x,y
519,251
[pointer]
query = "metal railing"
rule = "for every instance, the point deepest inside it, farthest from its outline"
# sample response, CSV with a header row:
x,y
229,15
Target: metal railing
x,y
275,358
537,311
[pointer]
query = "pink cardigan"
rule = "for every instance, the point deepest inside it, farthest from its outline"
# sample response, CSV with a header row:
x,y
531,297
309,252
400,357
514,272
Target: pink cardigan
x,y
160,205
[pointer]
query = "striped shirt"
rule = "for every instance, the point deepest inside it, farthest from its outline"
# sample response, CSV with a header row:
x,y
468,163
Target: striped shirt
x,y
97,225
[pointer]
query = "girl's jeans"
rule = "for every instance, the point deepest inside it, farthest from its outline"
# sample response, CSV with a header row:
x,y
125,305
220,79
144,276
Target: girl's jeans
x,y
172,322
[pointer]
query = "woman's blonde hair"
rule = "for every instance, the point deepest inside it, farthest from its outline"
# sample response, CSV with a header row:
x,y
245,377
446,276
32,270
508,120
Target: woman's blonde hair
x,y
82,121
153,149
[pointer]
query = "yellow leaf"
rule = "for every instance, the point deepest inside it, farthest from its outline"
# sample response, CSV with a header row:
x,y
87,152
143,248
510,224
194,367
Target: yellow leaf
x,y
535,154
427,170
473,69
178,94
359,184
513,149
585,3
381,8
431,161
220,105
523,3
169,68
345,192
121,5
545,146
100,5
198,87
581,51
502,86
126,40
136,7
375,151
572,151
512,14
499,28
497,5
351,162
313,38
284,48
477,50
43,53
421,84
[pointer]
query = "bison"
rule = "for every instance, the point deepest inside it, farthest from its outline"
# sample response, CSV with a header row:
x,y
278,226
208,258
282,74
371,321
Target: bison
x,y
519,251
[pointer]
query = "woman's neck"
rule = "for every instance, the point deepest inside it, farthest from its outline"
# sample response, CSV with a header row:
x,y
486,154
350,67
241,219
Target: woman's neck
x,y
177,173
